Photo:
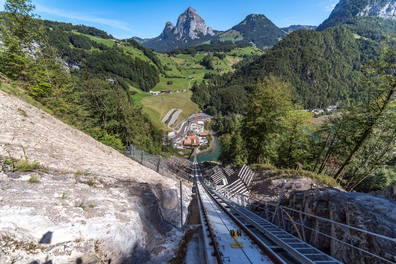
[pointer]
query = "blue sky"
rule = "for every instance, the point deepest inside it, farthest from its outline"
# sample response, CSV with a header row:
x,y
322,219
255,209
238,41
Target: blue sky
x,y
146,18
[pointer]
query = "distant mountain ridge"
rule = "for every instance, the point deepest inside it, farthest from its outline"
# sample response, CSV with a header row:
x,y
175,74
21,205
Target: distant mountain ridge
x,y
293,28
255,28
191,30
348,9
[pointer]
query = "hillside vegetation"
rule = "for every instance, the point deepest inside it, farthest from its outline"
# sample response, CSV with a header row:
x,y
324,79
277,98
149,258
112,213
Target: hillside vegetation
x,y
323,68
185,67
100,55
79,79
260,107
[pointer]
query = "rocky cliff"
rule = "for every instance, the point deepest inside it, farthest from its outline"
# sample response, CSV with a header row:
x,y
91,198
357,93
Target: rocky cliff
x,y
360,210
348,9
382,9
191,26
70,199
190,29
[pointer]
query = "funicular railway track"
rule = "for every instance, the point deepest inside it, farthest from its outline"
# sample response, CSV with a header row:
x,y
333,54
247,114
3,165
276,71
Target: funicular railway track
x,y
259,242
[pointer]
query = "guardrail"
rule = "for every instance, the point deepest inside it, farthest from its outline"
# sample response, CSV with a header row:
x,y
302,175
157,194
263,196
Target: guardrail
x,y
319,231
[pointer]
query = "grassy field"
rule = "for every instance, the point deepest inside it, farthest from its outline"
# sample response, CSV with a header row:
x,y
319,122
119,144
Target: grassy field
x,y
231,35
181,71
156,107
134,52
173,84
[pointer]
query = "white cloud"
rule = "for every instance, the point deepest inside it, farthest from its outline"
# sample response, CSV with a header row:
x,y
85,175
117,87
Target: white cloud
x,y
102,21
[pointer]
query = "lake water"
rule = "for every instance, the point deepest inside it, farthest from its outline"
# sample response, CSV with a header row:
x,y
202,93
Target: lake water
x,y
213,155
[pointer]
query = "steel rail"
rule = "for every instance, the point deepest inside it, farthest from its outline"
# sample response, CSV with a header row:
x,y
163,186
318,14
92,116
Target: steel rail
x,y
288,249
266,203
258,241
206,228
288,253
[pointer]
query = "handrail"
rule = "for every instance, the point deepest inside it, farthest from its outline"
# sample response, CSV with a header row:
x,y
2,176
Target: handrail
x,y
244,200
318,217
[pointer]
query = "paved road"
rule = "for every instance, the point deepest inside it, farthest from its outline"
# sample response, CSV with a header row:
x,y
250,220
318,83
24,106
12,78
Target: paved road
x,y
174,118
166,117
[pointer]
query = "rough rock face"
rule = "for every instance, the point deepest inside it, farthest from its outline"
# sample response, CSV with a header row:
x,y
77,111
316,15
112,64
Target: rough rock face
x,y
65,217
190,26
348,9
269,185
90,204
168,31
364,211
271,189
383,9
190,29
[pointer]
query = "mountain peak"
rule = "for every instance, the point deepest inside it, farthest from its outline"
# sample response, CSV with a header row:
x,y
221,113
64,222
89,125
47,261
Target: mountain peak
x,y
169,24
191,10
347,9
258,29
190,25
255,18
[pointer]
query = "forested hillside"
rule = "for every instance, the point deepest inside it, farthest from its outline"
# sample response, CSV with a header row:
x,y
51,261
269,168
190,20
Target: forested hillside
x,y
356,146
255,28
80,75
323,68
260,106
95,51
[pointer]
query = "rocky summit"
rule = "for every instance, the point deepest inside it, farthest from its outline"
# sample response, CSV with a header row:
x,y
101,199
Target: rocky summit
x,y
382,9
348,9
190,29
191,26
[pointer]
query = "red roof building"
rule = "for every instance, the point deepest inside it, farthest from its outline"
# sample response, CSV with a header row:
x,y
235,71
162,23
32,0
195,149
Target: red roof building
x,y
191,141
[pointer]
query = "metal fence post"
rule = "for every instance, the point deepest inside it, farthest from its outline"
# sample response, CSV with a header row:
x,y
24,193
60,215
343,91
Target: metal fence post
x,y
181,204
158,164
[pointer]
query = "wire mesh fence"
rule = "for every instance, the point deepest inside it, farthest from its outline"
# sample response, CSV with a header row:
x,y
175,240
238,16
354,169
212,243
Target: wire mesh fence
x,y
174,168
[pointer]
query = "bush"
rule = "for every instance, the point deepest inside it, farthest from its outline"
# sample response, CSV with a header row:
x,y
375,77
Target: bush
x,y
288,173
34,179
26,166
169,82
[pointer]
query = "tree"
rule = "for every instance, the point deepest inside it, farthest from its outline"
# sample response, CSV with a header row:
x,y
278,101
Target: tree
x,y
360,140
383,82
19,34
234,147
296,142
265,119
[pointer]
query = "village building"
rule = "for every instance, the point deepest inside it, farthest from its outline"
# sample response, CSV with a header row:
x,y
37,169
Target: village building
x,y
191,141
203,134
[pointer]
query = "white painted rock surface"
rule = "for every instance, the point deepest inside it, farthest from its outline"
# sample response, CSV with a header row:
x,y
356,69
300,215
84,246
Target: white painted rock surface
x,y
93,205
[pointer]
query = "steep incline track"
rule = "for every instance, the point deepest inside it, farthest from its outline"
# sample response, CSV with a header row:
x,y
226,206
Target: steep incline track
x,y
262,242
